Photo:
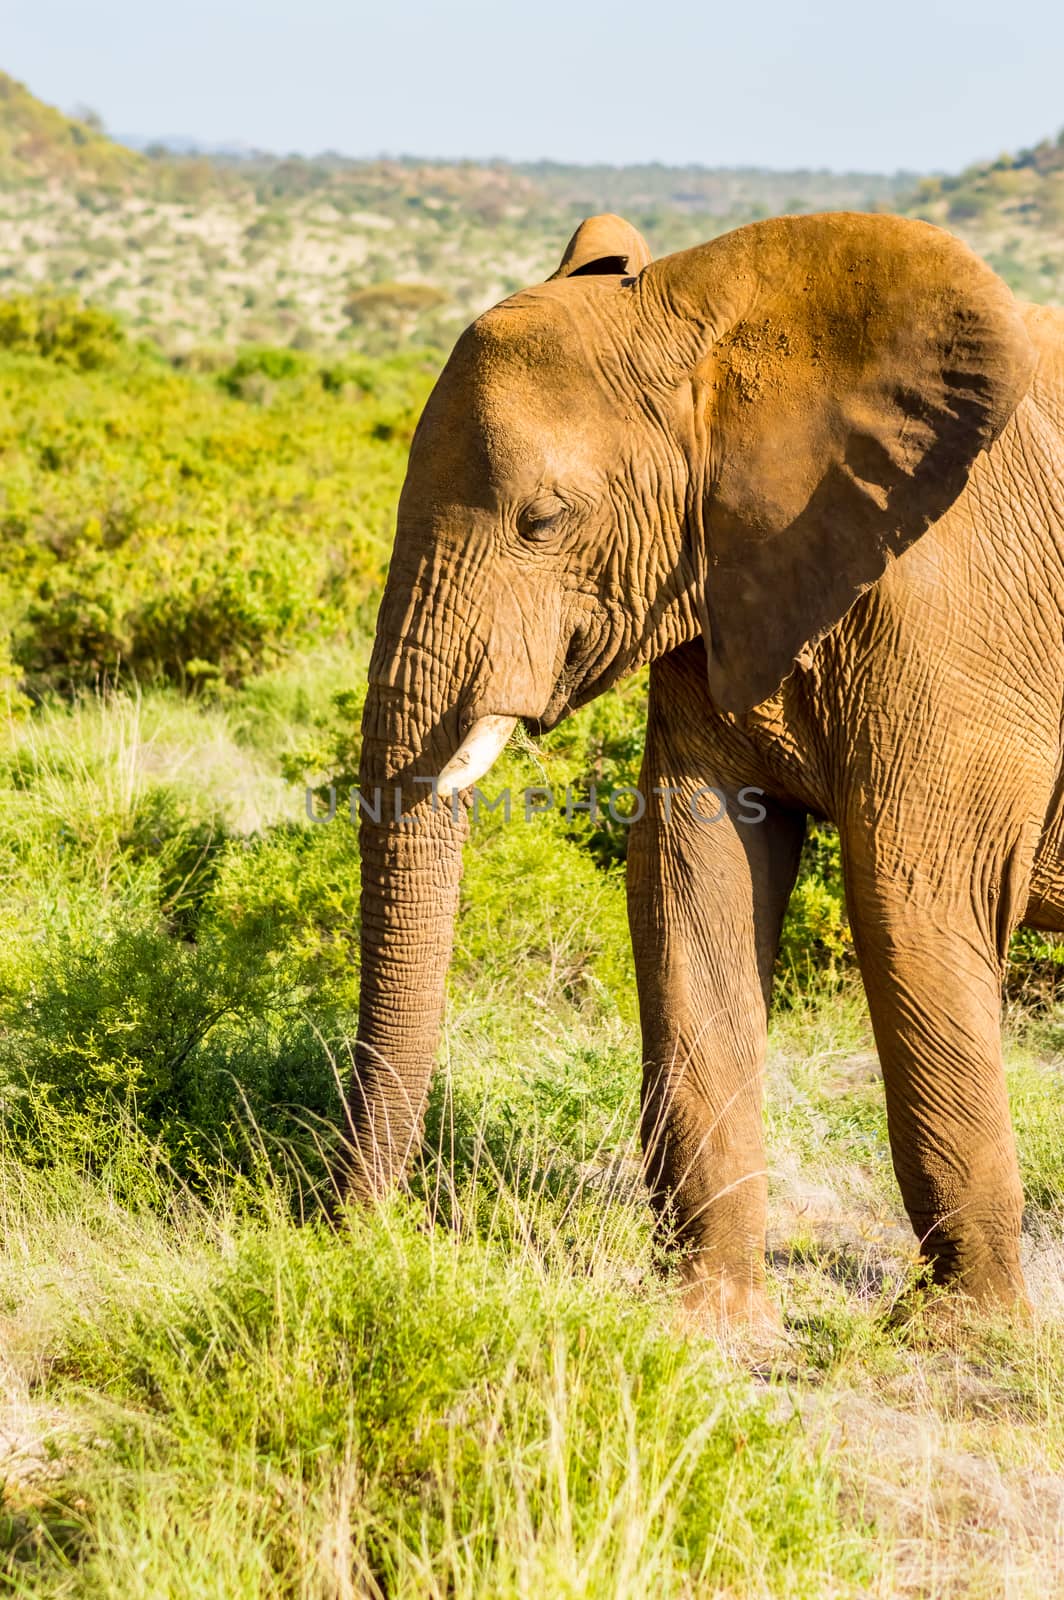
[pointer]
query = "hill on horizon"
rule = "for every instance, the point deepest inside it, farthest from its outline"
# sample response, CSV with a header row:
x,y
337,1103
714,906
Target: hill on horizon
x,y
231,247
38,142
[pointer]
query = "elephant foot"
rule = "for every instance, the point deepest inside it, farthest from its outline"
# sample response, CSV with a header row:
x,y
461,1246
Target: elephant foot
x,y
979,1269
730,1307
946,1311
998,1287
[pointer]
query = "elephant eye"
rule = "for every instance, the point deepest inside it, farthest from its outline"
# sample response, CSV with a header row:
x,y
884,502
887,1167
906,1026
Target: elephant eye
x,y
539,520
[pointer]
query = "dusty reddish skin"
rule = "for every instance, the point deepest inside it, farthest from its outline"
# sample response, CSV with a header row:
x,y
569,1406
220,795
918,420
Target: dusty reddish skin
x,y
711,462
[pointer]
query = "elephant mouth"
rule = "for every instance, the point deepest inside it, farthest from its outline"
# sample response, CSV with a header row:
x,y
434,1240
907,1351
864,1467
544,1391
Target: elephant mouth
x,y
567,687
592,662
589,664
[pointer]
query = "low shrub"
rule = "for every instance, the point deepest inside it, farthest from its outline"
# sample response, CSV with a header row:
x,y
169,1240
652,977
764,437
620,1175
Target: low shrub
x,y
207,1049
155,526
59,328
816,946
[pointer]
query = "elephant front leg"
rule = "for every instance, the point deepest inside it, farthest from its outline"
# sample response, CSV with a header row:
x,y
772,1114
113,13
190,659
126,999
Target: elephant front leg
x,y
706,899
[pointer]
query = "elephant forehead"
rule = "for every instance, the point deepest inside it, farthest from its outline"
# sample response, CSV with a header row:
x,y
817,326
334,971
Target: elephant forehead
x,y
518,402
528,444
498,456
532,355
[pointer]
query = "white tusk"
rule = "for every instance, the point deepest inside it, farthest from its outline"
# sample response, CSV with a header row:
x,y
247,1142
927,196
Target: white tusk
x,y
476,755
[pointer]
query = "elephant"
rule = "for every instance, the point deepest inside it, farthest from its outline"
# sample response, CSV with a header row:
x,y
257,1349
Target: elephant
x,y
811,472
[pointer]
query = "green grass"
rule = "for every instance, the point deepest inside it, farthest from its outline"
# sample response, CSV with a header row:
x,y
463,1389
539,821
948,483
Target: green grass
x,y
263,1409
486,1388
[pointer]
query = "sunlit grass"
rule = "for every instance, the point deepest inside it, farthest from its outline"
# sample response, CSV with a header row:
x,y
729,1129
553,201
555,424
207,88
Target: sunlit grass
x,y
486,1388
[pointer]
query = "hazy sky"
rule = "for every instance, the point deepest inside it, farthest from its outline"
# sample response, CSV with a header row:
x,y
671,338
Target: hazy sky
x,y
902,83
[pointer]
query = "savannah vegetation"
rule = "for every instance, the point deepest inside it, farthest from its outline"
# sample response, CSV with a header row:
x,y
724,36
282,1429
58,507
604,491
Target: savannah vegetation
x,y
327,250
483,1389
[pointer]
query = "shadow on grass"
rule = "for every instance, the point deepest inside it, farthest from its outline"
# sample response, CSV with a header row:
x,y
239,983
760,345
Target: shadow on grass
x,y
39,1536
861,1272
512,1174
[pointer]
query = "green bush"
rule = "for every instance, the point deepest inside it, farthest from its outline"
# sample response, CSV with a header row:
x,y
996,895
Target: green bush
x,y
206,1049
1035,977
59,328
156,526
971,204
530,887
295,888
161,971
816,946
267,363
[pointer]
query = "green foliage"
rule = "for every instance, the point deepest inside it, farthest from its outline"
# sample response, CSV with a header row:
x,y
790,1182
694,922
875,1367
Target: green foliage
x,y
200,1045
60,329
158,967
157,526
1035,978
602,748
529,885
816,946
296,888
264,363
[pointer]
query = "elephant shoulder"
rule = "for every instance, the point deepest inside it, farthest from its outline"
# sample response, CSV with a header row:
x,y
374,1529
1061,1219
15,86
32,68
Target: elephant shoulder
x,y
1045,328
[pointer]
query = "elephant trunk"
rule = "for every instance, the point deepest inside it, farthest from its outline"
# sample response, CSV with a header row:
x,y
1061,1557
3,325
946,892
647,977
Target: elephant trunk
x,y
410,879
411,848
443,700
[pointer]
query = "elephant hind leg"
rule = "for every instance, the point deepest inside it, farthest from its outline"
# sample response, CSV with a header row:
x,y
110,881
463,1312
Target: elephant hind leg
x,y
931,957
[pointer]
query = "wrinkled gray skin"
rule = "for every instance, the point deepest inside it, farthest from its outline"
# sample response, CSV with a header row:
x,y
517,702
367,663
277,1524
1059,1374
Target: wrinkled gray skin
x,y
812,471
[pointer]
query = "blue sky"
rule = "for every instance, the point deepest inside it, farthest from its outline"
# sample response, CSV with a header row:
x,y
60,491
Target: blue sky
x,y
823,83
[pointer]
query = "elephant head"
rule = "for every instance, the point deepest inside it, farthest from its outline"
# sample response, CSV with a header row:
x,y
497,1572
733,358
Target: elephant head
x,y
730,442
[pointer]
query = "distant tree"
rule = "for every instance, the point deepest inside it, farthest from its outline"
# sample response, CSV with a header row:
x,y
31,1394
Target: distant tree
x,y
272,226
969,204
89,118
395,306
1051,201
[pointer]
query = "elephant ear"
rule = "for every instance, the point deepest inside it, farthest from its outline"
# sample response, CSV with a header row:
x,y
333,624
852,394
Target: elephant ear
x,y
846,371
601,245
